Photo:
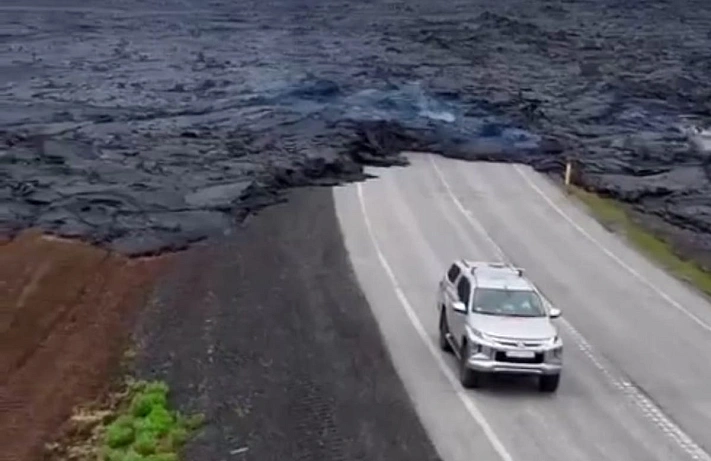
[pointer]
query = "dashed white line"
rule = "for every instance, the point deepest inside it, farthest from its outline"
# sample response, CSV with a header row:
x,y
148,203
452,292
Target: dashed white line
x,y
468,402
609,253
644,404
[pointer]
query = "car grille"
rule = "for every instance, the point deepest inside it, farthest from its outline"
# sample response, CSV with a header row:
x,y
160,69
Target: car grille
x,y
501,356
517,344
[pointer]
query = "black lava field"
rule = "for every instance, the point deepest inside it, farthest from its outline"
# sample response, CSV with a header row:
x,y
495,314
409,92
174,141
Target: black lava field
x,y
145,126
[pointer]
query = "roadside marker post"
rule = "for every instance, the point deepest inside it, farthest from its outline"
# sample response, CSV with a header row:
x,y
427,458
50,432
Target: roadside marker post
x,y
568,174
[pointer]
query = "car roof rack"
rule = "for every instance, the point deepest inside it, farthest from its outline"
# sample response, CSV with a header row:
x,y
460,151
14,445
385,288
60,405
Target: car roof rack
x,y
503,266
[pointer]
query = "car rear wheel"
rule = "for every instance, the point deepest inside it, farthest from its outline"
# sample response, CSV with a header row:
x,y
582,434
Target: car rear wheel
x,y
469,378
549,383
443,331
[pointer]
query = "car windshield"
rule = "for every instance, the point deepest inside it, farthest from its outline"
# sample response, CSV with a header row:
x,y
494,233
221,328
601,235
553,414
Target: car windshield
x,y
516,303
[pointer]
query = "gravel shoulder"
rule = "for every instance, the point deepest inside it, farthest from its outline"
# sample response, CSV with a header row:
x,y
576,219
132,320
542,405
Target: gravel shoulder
x,y
267,333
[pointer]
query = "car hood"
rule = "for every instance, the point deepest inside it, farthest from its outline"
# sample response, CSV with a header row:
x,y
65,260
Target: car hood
x,y
513,327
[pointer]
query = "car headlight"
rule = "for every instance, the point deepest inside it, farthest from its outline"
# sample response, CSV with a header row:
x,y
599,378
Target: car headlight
x,y
477,335
556,347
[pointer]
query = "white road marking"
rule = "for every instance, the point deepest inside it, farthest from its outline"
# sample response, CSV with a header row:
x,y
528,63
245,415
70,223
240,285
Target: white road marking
x,y
466,400
646,406
609,253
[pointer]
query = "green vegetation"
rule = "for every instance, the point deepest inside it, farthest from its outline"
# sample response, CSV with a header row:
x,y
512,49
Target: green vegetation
x,y
144,428
612,214
133,423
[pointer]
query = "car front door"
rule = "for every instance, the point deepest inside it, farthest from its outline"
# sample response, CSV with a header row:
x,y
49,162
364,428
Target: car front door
x,y
448,288
459,317
449,284
448,293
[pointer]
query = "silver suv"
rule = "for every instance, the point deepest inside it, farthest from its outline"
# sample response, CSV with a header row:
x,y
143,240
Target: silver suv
x,y
495,321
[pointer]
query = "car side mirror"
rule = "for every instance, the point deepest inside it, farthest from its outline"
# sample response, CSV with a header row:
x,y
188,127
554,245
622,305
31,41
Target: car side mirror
x,y
554,312
459,306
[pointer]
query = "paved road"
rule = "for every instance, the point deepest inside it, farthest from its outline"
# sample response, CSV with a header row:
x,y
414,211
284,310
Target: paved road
x,y
636,383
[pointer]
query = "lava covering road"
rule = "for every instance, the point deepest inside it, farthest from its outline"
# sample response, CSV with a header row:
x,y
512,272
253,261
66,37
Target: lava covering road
x,y
143,126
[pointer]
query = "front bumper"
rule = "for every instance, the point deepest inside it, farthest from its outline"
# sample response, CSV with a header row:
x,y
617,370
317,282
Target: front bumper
x,y
494,358
493,366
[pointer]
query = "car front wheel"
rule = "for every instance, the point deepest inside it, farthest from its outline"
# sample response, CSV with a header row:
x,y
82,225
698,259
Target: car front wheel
x,y
443,331
469,378
549,383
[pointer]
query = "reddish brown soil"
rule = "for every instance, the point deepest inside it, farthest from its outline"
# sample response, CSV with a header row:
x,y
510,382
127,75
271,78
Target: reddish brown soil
x,y
66,312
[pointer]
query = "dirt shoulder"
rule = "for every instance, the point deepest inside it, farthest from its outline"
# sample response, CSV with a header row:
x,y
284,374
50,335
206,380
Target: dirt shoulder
x,y
267,333
66,311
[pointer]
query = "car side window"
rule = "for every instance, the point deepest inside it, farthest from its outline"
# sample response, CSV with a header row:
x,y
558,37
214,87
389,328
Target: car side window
x,y
453,273
463,290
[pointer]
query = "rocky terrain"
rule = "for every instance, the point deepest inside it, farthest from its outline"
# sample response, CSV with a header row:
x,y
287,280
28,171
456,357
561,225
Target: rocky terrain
x,y
142,126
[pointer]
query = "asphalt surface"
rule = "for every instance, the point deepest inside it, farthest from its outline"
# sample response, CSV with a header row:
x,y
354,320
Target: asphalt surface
x,y
635,384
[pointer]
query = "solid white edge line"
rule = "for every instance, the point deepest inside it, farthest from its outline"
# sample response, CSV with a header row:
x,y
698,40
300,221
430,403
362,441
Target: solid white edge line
x,y
609,253
468,403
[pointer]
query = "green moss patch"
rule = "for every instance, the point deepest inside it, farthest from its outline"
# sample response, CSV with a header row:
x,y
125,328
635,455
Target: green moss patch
x,y
146,429
134,424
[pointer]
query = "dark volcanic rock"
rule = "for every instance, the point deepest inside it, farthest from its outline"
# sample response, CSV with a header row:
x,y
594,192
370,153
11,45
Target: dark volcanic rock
x,y
122,122
221,196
